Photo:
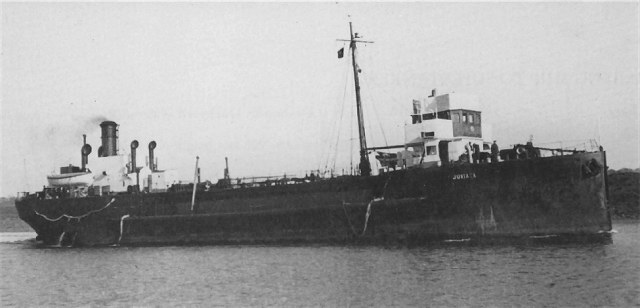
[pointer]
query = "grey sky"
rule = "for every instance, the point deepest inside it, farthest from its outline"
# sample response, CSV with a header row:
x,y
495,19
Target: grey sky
x,y
261,83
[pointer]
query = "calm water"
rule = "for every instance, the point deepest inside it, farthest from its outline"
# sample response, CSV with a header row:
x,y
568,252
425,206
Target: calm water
x,y
551,275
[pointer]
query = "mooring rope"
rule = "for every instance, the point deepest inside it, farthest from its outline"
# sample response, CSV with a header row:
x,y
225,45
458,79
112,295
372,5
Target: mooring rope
x,y
69,217
366,217
353,230
121,227
73,241
61,238
368,214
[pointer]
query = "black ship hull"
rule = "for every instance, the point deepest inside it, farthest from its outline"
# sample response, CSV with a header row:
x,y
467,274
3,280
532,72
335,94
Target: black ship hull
x,y
521,199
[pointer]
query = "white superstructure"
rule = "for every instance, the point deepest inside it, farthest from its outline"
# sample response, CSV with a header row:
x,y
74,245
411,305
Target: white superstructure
x,y
441,126
109,171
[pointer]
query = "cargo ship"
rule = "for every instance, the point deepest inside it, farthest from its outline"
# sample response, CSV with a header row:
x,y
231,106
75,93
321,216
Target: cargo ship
x,y
447,182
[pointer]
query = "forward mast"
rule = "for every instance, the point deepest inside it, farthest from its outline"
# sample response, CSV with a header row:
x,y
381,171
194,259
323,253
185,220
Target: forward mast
x,y
365,166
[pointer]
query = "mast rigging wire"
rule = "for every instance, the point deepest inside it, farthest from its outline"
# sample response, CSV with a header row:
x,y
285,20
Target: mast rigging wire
x,y
337,129
375,113
326,157
344,99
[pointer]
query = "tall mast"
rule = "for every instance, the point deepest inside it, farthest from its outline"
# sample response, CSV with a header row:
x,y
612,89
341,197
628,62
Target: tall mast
x,y
365,166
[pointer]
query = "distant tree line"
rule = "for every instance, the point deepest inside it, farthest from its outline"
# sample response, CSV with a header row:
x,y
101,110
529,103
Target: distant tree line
x,y
624,193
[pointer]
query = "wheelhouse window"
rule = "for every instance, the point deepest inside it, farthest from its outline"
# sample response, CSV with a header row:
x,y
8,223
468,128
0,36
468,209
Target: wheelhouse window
x,y
464,117
470,117
431,150
456,118
427,134
444,115
428,116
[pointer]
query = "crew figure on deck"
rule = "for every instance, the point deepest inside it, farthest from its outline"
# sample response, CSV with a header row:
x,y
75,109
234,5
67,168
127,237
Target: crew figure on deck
x,y
476,153
494,152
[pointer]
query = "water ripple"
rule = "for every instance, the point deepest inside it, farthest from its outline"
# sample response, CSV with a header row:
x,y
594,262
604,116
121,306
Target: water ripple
x,y
553,275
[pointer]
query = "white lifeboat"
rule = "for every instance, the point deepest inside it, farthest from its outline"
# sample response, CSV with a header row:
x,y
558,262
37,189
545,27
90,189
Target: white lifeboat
x,y
70,179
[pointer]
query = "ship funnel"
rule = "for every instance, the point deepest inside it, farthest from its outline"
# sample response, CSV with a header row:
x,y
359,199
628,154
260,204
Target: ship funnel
x,y
433,93
85,151
134,146
152,146
226,169
109,139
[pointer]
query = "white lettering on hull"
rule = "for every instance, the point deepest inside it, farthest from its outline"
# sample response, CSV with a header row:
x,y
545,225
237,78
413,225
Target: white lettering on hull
x,y
464,176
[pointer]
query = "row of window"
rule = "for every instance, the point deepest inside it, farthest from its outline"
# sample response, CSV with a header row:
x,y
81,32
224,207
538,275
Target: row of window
x,y
440,115
416,118
465,118
431,149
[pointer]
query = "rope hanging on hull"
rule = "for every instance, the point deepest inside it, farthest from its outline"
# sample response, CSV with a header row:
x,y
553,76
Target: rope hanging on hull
x,y
368,214
122,227
69,217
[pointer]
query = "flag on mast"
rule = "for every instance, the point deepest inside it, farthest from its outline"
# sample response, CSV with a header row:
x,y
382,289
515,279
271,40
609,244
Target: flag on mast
x,y
341,53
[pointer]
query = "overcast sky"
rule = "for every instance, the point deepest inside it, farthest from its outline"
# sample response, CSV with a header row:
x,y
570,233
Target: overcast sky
x,y
261,83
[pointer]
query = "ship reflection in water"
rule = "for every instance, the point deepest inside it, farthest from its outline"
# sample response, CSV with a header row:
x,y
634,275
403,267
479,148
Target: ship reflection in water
x,y
450,275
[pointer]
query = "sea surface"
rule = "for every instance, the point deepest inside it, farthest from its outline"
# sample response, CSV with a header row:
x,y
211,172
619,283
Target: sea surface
x,y
448,275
